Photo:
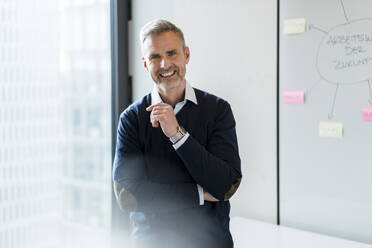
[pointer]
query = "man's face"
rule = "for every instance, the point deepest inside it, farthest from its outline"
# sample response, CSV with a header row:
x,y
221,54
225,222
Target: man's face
x,y
165,58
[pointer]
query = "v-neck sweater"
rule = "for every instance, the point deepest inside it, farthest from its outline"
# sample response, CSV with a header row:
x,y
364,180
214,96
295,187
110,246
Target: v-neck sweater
x,y
159,180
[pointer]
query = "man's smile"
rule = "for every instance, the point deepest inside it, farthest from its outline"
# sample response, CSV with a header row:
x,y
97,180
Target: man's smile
x,y
168,74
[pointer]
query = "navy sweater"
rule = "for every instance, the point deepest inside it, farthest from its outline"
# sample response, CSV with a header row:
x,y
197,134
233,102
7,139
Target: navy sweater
x,y
157,183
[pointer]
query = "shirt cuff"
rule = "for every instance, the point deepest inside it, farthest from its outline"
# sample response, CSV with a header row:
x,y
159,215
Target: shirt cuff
x,y
201,194
181,141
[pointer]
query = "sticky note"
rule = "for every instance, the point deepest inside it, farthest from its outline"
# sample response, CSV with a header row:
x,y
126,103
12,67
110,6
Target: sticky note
x,y
295,26
331,129
294,97
367,114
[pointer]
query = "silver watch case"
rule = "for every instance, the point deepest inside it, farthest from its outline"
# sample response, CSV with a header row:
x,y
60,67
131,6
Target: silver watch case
x,y
179,135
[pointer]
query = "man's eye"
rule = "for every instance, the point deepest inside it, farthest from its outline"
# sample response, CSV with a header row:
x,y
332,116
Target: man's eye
x,y
172,53
154,57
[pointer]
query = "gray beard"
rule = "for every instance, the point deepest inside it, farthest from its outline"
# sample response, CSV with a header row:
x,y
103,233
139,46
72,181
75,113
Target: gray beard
x,y
161,86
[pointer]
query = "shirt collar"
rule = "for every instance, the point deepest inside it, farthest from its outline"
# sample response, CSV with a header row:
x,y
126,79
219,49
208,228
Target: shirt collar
x,y
189,95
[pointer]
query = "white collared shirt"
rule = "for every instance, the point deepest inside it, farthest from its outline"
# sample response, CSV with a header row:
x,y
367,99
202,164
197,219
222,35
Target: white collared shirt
x,y
189,95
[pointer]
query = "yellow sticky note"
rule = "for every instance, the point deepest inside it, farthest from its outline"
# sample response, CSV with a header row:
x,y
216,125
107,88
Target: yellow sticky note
x,y
295,26
331,129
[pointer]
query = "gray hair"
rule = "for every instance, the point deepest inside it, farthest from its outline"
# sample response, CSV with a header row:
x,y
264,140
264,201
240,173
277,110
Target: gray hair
x,y
158,26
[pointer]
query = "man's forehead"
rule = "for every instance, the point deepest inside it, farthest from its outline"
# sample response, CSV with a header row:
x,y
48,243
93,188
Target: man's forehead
x,y
162,42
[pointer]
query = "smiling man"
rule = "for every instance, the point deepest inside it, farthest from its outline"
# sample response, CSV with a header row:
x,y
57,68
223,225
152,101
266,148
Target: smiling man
x,y
177,162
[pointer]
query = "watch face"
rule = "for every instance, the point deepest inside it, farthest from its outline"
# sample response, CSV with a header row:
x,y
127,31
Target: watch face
x,y
183,131
180,133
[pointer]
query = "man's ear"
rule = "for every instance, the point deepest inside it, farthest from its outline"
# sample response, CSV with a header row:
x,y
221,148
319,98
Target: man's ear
x,y
144,63
187,54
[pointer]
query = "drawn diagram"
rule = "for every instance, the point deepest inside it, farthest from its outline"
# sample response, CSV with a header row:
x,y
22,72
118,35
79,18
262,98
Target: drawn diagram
x,y
344,57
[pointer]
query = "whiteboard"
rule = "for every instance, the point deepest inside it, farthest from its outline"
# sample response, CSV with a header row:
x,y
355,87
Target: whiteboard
x,y
325,183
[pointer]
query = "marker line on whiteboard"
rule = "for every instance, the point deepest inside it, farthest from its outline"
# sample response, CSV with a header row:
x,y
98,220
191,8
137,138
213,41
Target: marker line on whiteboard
x,y
311,26
343,7
331,115
308,91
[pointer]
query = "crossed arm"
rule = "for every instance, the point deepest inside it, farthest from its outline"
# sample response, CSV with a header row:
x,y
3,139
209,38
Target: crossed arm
x,y
215,167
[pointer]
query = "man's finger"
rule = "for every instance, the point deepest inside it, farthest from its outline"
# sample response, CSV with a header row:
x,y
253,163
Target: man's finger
x,y
154,122
158,111
149,108
159,117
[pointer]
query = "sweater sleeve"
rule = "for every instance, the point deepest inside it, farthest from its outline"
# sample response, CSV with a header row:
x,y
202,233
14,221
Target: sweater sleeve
x,y
133,190
216,166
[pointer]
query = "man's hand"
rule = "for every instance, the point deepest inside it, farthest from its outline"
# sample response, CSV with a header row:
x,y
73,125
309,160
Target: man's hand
x,y
209,197
163,114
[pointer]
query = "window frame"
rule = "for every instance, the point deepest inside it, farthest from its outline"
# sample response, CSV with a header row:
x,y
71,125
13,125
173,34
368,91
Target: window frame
x,y
121,95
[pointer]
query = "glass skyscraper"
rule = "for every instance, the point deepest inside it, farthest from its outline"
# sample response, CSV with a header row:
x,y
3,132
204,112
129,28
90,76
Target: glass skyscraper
x,y
55,138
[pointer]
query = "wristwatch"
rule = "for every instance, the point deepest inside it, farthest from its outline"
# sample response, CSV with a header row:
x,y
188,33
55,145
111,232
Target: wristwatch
x,y
179,135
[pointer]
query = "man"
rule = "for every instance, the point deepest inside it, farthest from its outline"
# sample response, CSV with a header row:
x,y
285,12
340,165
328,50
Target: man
x,y
177,162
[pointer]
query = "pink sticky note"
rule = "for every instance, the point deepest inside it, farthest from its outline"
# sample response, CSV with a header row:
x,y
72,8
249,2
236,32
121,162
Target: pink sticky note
x,y
294,97
367,114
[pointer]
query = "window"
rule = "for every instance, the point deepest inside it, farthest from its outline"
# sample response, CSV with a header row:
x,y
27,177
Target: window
x,y
55,121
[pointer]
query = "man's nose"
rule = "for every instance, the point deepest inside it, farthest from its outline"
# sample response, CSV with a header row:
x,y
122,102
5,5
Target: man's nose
x,y
164,63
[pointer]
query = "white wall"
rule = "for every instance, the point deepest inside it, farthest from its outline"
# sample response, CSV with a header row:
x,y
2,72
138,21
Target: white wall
x,y
233,55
